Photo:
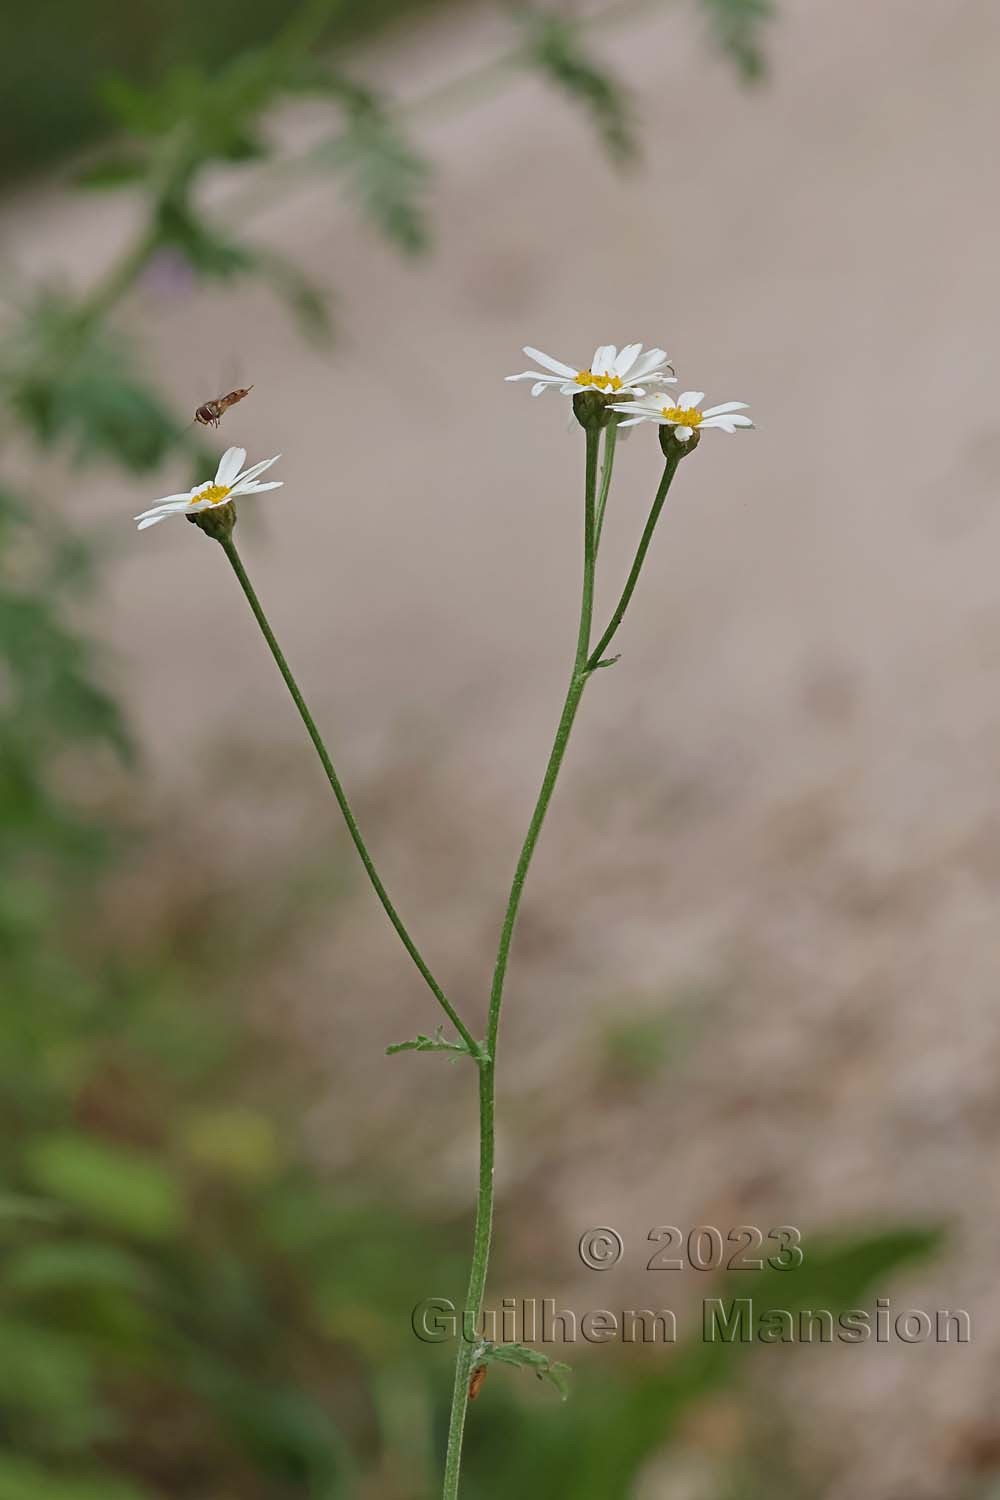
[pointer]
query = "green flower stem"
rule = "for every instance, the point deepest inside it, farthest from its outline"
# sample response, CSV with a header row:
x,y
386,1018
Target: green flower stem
x,y
472,1045
669,470
482,1234
610,439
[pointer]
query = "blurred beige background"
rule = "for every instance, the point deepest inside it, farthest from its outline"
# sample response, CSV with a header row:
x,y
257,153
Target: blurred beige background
x,y
778,822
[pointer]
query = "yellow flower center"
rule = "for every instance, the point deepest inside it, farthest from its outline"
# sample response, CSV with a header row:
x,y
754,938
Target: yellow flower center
x,y
213,494
683,416
599,382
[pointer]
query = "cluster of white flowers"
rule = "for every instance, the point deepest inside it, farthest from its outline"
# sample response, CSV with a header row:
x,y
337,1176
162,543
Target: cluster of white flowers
x,y
611,371
637,381
640,381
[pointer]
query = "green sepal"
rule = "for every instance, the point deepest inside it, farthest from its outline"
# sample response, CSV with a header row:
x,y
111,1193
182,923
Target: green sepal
x,y
216,521
671,448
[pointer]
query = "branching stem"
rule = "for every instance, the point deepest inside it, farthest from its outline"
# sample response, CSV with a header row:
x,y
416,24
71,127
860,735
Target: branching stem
x,y
336,787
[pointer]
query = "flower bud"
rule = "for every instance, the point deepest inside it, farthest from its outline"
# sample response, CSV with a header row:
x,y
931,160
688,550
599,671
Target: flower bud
x,y
671,447
592,409
216,521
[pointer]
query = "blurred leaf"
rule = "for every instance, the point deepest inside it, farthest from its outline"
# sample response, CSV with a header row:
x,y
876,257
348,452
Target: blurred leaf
x,y
54,1266
289,1434
555,47
308,302
48,673
23,1480
65,378
138,109
639,1046
737,26
110,1184
206,250
384,172
241,1143
48,1386
20,1208
214,111
112,172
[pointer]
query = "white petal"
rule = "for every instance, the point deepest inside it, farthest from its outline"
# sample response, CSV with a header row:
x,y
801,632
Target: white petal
x,y
716,411
539,386
164,509
548,363
690,398
254,470
172,500
230,465
148,521
534,375
633,421
254,487
627,358
604,360
648,363
682,434
729,422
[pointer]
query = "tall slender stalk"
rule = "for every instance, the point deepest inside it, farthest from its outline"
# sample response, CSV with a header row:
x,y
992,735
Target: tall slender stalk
x,y
483,1231
229,547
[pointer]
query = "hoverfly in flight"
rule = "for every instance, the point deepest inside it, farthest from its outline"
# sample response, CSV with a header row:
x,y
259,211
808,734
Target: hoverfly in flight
x,y
211,413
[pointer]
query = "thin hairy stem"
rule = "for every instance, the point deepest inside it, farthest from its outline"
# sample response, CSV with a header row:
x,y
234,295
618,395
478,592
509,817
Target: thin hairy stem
x,y
669,470
482,1234
338,791
610,439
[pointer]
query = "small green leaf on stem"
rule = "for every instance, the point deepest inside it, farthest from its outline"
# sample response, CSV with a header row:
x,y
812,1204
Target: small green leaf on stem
x,y
607,661
522,1357
436,1043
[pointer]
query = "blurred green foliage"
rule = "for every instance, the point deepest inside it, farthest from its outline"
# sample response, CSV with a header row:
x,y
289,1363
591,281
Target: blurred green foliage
x,y
54,58
180,1293
67,376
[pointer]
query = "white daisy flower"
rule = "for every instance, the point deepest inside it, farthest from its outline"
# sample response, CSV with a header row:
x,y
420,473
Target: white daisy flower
x,y
611,371
229,482
684,415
